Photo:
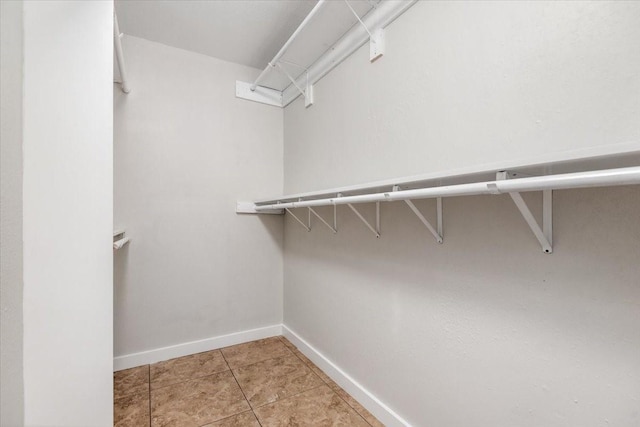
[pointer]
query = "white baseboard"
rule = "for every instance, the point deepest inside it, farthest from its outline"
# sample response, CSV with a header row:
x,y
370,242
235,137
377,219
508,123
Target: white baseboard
x,y
381,411
156,355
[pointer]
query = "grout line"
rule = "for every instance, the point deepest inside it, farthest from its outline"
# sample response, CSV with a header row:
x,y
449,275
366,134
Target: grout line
x,y
354,409
292,396
187,380
257,419
149,372
241,390
329,385
226,418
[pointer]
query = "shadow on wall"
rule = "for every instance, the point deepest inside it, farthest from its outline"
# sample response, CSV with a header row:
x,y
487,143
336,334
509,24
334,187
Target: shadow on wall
x,y
490,265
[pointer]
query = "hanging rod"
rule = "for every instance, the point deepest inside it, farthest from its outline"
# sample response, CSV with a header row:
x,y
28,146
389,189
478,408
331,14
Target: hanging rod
x,y
601,178
119,55
284,48
378,18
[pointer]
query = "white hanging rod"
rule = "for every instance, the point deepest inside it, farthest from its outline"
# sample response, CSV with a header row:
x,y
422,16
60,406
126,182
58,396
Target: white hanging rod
x,y
284,48
382,15
119,55
601,178
119,244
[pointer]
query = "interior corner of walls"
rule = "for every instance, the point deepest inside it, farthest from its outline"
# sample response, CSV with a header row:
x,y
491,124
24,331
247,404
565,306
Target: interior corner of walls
x,y
11,247
366,398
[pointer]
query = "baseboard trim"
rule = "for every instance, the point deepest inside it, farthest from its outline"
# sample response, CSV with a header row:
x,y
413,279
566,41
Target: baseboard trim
x,y
374,405
164,353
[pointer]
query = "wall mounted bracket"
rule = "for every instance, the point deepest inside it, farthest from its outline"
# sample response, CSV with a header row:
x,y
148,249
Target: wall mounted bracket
x,y
333,228
436,233
307,92
544,234
376,37
375,231
261,94
250,208
306,227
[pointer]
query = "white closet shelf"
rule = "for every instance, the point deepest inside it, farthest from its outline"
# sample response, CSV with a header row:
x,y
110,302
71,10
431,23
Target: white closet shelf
x,y
119,238
611,166
302,68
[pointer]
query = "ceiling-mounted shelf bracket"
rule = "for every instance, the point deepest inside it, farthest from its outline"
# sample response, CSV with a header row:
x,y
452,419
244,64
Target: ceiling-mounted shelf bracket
x,y
544,234
333,228
376,230
437,233
376,37
306,227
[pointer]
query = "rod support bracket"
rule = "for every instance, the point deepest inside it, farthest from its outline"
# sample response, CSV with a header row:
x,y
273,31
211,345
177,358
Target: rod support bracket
x,y
437,233
377,44
375,231
544,234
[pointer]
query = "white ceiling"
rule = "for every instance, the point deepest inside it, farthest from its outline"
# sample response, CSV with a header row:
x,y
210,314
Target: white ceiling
x,y
248,32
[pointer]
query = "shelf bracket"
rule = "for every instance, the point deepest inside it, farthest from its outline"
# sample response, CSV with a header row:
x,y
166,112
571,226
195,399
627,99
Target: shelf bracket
x,y
375,231
306,227
261,94
334,228
436,233
376,38
544,234
307,92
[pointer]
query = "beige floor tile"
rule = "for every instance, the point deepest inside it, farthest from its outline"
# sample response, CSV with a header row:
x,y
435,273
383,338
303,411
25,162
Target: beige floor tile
x,y
187,368
373,421
273,379
287,343
324,377
246,419
319,407
131,410
255,351
197,402
131,381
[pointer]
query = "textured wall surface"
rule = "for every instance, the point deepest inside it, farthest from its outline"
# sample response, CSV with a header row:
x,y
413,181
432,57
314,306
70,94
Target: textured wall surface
x,y
470,83
11,387
185,150
484,329
68,213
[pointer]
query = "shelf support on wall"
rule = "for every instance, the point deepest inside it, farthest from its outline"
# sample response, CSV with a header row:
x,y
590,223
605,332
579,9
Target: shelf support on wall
x,y
333,228
371,28
376,38
436,233
544,234
307,92
306,227
375,231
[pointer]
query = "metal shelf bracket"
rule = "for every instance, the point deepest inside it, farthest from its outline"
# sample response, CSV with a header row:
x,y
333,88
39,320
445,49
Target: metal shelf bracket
x,y
307,92
544,234
376,37
375,231
306,227
333,228
437,233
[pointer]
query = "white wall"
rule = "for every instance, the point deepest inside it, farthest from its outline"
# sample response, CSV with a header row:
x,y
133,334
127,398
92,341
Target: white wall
x,y
11,387
185,150
484,329
68,113
469,83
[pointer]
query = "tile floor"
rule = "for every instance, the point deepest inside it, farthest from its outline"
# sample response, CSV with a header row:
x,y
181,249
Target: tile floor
x,y
264,383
